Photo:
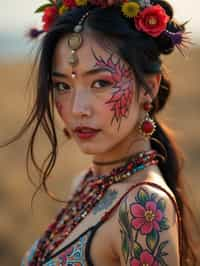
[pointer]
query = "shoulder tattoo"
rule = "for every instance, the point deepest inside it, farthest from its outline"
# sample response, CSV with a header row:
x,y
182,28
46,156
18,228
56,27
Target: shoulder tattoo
x,y
143,219
106,201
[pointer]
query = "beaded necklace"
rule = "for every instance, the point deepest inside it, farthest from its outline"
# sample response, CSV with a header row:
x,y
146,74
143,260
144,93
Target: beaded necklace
x,y
88,194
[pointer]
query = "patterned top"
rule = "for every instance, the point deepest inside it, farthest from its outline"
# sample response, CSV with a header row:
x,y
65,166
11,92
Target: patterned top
x,y
74,254
77,253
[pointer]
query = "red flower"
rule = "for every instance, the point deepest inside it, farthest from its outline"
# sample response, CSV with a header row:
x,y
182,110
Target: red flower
x,y
69,3
101,3
152,20
50,13
145,259
146,218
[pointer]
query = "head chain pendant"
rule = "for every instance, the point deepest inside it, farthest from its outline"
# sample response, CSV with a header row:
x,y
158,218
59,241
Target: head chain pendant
x,y
74,42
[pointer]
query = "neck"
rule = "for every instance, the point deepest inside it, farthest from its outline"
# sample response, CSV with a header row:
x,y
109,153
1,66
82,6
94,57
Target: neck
x,y
117,154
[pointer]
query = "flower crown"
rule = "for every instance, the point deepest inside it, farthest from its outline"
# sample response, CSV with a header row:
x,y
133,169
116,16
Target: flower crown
x,y
150,18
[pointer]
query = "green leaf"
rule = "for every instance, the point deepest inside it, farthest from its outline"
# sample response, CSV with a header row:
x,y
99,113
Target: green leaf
x,y
161,204
164,224
160,252
137,249
161,261
152,240
123,217
125,245
142,196
163,254
42,8
59,2
126,232
153,196
163,245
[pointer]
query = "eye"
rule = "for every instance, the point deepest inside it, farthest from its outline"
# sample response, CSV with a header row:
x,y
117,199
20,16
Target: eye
x,y
61,87
101,83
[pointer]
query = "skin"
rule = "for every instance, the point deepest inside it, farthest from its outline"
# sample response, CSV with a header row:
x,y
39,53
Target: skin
x,y
149,224
149,235
123,87
87,100
106,201
119,243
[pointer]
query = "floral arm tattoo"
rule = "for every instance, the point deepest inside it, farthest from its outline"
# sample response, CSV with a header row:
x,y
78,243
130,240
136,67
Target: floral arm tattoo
x,y
147,220
123,80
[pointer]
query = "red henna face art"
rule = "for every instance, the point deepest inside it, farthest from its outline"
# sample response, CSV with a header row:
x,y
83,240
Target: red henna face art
x,y
100,97
122,77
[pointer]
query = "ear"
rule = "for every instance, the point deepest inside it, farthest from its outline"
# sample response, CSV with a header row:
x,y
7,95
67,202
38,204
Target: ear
x,y
153,81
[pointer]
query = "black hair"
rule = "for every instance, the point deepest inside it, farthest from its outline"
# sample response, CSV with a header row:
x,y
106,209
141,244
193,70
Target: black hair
x,y
143,53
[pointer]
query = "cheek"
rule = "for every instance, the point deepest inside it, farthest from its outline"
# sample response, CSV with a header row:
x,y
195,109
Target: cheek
x,y
59,108
121,101
106,109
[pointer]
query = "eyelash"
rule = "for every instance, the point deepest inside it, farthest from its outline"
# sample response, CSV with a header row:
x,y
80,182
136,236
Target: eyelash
x,y
56,86
106,83
66,87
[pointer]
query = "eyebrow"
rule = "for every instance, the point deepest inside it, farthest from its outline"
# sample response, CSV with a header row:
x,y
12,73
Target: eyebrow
x,y
87,73
58,74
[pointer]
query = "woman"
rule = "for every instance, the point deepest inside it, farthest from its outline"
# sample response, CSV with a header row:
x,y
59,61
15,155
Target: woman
x,y
100,67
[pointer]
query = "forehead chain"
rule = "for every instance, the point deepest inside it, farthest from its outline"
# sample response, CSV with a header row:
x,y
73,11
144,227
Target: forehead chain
x,y
74,42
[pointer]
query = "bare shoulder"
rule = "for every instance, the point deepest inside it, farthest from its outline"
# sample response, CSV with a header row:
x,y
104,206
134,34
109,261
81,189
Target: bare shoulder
x,y
148,227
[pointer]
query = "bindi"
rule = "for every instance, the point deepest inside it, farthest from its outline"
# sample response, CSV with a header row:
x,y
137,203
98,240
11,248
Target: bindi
x,y
122,96
74,75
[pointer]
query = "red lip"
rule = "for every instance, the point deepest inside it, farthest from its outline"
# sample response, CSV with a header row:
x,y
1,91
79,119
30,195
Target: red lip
x,y
86,132
86,129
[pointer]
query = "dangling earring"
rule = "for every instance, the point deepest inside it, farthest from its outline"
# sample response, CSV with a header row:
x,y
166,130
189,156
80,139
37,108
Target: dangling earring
x,y
147,125
66,133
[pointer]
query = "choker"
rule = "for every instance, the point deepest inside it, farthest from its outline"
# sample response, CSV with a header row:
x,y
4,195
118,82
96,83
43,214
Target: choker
x,y
90,191
123,159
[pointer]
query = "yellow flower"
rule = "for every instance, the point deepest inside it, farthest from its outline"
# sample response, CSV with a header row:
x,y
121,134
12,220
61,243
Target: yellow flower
x,y
130,9
81,2
62,9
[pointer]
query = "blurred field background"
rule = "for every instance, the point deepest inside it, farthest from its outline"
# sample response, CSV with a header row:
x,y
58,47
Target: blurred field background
x,y
19,225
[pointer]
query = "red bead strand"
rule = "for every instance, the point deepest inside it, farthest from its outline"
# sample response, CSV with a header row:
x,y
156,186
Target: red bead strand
x,y
89,193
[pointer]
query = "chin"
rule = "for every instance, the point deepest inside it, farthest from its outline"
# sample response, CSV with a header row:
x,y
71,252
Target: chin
x,y
88,150
94,148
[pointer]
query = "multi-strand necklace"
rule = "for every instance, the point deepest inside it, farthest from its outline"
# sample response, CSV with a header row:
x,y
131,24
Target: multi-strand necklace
x,y
88,194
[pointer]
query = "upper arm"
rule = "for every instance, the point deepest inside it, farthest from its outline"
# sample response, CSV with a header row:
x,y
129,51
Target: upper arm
x,y
148,229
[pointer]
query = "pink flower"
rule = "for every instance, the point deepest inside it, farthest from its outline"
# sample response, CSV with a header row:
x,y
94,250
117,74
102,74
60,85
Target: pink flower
x,y
145,259
152,20
50,13
146,218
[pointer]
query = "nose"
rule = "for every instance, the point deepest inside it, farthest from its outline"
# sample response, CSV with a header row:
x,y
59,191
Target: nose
x,y
81,105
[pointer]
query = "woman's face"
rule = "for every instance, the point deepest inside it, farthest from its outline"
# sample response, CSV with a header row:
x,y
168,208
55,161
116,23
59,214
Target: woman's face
x,y
98,105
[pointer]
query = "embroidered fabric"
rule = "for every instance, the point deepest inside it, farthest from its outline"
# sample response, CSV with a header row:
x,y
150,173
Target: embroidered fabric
x,y
77,253
70,255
